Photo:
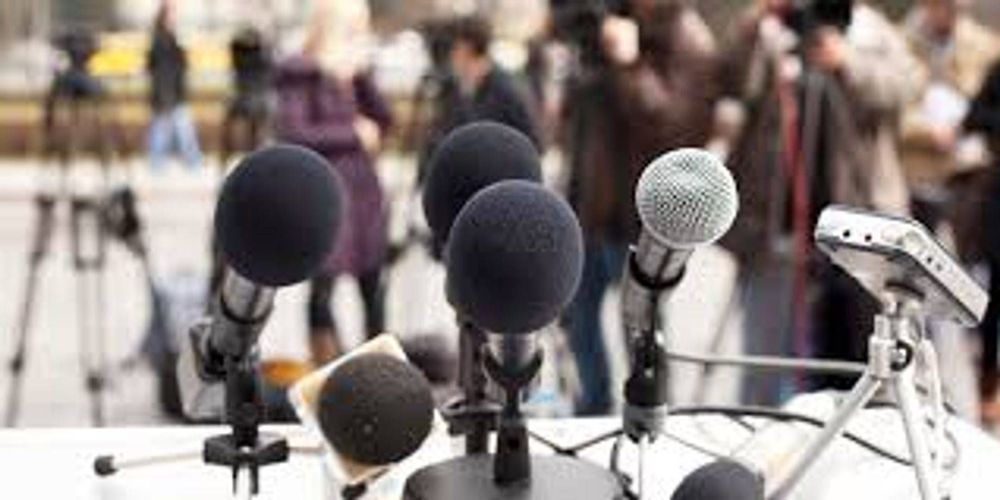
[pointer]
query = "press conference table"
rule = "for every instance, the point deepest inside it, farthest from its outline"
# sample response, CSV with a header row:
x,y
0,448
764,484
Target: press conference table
x,y
57,463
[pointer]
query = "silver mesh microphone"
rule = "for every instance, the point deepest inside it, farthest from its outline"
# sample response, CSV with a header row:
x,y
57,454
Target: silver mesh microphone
x,y
685,198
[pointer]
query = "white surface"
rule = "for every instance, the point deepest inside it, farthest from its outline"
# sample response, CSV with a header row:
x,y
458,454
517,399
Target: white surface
x,y
56,463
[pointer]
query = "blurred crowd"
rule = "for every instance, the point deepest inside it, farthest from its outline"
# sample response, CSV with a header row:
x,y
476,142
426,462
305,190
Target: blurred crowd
x,y
809,103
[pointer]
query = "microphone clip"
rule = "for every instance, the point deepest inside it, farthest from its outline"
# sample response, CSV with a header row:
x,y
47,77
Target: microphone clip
x,y
646,390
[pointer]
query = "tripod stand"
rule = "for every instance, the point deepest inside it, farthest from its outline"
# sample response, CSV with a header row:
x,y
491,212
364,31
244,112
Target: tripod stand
x,y
898,353
73,96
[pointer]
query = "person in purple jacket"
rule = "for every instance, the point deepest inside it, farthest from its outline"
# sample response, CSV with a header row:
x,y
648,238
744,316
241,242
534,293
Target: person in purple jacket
x,y
328,102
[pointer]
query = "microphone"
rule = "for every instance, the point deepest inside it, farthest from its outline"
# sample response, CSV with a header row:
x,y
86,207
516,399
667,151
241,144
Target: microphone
x,y
745,475
685,199
376,409
470,158
371,406
721,480
276,221
514,260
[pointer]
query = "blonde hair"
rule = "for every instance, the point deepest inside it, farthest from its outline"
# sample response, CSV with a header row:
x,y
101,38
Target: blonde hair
x,y
336,20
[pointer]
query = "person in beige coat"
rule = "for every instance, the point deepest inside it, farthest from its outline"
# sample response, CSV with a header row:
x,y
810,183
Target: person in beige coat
x,y
821,123
957,53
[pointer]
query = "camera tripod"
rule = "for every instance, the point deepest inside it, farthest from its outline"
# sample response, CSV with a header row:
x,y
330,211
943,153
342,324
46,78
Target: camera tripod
x,y
92,219
898,353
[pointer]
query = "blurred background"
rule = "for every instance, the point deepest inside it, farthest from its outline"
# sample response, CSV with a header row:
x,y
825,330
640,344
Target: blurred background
x,y
131,112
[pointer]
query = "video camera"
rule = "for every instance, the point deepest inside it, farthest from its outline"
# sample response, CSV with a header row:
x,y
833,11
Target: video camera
x,y
79,46
806,16
75,81
578,22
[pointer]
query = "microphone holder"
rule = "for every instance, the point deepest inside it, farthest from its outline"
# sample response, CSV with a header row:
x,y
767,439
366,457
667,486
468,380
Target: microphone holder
x,y
245,447
472,414
898,352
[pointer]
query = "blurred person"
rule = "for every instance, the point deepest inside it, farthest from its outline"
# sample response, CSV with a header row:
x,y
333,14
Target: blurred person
x,y
643,86
327,101
167,66
984,117
251,105
488,92
822,96
957,52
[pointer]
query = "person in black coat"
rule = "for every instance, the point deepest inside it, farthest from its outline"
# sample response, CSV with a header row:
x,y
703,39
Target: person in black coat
x,y
488,92
984,117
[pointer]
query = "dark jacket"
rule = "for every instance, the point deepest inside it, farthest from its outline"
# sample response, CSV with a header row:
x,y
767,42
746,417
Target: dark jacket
x,y
318,113
499,99
618,119
166,64
854,159
977,198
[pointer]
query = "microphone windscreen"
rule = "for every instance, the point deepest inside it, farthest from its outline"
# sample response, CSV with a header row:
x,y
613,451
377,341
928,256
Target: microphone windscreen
x,y
376,409
514,257
468,159
278,214
686,198
721,480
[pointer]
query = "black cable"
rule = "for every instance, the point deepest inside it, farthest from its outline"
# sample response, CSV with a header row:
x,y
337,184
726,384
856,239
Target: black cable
x,y
742,423
782,415
558,450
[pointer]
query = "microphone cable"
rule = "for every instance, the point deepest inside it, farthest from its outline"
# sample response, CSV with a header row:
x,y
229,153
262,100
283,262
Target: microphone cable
x,y
787,416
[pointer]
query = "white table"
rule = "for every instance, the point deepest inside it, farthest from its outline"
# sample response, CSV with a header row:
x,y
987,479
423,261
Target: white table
x,y
57,463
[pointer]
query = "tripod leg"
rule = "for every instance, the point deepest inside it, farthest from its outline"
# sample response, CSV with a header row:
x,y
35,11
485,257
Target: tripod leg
x,y
19,358
43,235
862,393
910,407
88,257
92,380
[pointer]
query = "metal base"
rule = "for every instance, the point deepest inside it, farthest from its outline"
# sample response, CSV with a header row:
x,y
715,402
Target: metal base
x,y
552,477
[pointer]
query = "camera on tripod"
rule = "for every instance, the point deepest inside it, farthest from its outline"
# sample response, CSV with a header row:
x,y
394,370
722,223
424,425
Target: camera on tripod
x,y
578,23
805,17
75,81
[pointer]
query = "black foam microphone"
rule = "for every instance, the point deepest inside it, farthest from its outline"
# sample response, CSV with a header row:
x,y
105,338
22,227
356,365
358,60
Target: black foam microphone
x,y
514,259
376,409
470,158
276,221
721,480
752,470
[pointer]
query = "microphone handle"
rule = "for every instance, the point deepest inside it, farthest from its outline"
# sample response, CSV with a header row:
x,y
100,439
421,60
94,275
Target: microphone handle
x,y
651,270
243,308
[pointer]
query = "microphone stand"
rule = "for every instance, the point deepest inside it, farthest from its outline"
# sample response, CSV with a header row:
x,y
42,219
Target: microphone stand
x,y
512,361
245,447
647,388
898,353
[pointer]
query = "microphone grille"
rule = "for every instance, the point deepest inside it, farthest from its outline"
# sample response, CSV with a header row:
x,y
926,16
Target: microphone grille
x,y
686,198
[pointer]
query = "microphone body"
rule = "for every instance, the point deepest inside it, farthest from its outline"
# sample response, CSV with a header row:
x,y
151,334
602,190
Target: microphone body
x,y
240,313
685,199
276,221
